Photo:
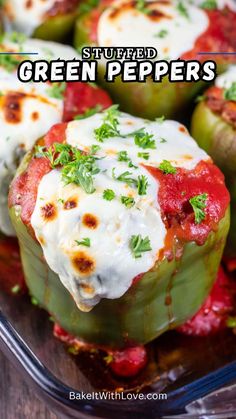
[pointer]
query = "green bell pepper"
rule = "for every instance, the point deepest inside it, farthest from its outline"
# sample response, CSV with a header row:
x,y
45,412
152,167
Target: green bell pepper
x,y
56,28
218,138
150,307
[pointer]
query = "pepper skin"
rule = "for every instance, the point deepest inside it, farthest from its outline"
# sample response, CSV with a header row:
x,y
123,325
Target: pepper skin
x,y
151,306
218,137
149,100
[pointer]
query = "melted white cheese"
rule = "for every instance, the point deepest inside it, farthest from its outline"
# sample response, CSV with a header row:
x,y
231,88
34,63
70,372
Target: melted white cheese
x,y
172,34
38,112
226,79
25,16
115,266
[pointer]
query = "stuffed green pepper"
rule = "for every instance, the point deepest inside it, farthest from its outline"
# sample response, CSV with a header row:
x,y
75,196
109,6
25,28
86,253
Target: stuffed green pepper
x,y
117,218
176,29
214,128
50,19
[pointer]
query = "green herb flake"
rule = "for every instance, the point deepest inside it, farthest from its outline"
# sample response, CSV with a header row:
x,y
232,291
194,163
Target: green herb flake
x,y
76,167
123,156
141,6
108,194
57,90
198,203
144,140
89,112
144,156
34,301
231,322
108,359
84,242
200,98
73,350
127,201
167,168
162,140
16,289
230,94
142,185
95,148
86,7
162,34
209,4
108,129
138,245
182,9
10,62
125,177
160,119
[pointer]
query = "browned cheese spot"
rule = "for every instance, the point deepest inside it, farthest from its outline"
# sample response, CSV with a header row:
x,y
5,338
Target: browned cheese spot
x,y
35,116
70,203
12,106
28,4
90,221
83,263
49,212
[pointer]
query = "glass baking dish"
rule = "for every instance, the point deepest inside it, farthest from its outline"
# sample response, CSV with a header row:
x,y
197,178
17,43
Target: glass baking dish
x,y
190,371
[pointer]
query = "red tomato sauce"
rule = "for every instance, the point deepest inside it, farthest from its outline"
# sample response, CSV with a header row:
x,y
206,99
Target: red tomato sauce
x,y
212,316
11,275
226,109
220,35
175,190
80,97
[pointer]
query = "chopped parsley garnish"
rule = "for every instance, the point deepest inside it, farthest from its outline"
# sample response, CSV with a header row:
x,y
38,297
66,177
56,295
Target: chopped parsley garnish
x,y
209,4
162,140
89,112
124,177
160,119
76,167
141,6
144,140
198,204
109,126
230,94
108,194
95,148
138,245
9,62
144,156
17,37
57,90
142,185
84,242
87,6
16,289
123,156
183,11
167,168
127,201
162,34
200,98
